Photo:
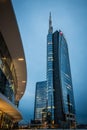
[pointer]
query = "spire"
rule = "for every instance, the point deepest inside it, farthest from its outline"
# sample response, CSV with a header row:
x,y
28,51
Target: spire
x,y
50,24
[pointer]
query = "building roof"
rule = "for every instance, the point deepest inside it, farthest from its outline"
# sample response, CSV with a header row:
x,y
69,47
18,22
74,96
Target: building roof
x,y
10,32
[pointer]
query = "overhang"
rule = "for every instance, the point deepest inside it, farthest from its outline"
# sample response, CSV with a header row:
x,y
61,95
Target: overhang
x,y
7,107
10,32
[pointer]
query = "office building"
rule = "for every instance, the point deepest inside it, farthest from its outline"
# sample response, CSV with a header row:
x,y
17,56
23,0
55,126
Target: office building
x,y
59,81
40,100
50,69
13,74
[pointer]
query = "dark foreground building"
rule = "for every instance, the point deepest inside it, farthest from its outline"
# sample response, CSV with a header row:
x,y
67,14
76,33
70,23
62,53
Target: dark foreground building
x,y
59,81
12,67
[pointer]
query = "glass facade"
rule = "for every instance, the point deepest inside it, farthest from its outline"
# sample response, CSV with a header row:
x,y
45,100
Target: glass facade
x,y
40,99
50,69
62,81
66,80
7,72
59,81
50,74
6,87
8,81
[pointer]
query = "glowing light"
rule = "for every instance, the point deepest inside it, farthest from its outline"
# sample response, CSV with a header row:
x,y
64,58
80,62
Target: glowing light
x,y
21,92
4,58
61,33
20,59
23,81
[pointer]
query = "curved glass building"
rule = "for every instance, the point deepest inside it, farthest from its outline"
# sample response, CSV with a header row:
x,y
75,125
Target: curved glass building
x,y
13,74
59,81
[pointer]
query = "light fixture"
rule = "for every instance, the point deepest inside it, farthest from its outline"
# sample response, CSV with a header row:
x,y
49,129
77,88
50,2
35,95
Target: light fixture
x,y
23,81
21,92
20,59
3,58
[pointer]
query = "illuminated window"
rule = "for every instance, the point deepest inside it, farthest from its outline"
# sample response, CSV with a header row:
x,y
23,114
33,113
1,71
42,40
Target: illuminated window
x,y
49,42
50,58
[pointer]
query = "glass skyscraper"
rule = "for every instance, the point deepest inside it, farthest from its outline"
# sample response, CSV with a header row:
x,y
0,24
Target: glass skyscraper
x,y
50,69
40,100
59,81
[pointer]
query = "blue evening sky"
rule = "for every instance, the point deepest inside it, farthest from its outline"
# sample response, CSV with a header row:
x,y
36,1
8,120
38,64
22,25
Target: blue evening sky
x,y
71,17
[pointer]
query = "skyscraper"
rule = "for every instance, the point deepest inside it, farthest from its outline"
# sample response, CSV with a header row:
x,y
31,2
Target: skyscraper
x,y
40,99
59,81
58,88
50,69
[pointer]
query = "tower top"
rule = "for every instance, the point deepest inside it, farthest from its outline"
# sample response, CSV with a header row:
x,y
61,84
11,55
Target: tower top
x,y
50,24
50,17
